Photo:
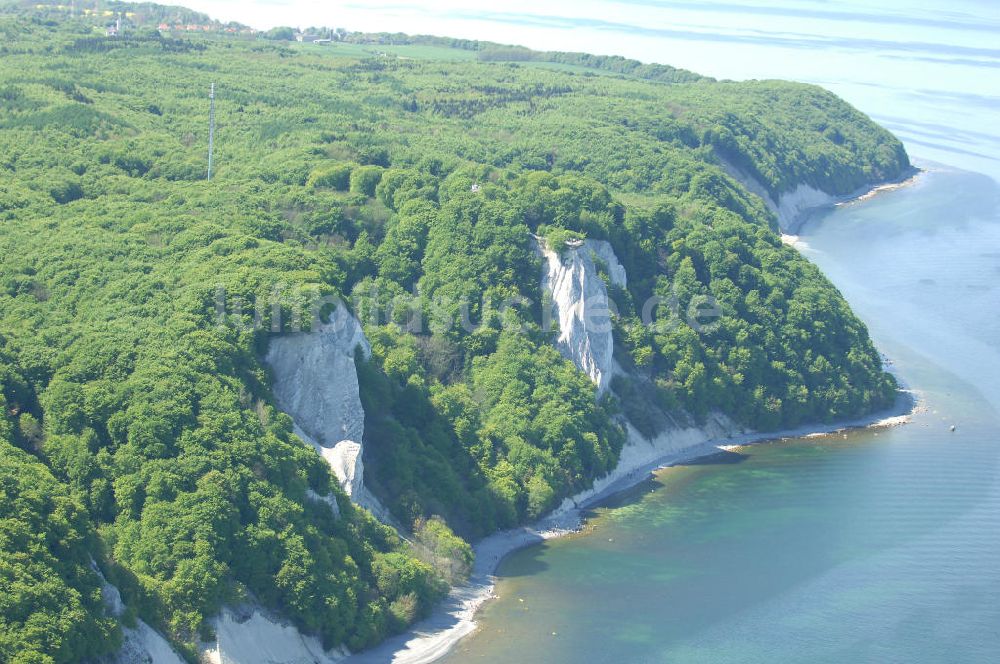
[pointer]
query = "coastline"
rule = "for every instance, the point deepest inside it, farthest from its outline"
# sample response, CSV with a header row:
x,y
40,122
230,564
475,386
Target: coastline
x,y
792,208
860,195
791,236
454,618
907,179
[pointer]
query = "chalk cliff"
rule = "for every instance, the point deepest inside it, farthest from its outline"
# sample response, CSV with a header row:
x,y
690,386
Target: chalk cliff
x,y
316,383
791,205
580,304
140,643
249,634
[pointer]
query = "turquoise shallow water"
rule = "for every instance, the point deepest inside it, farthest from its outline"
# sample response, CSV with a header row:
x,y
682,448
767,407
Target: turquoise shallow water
x,y
880,547
871,548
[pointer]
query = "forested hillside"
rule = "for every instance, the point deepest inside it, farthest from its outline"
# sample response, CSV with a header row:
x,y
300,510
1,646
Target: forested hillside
x,y
141,434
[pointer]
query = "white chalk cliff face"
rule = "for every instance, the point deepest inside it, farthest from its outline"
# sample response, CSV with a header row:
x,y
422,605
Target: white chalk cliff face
x,y
790,205
141,644
316,383
247,636
580,300
580,304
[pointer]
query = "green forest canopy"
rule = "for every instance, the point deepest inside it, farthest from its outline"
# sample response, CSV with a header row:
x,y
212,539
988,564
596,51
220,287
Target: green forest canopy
x,y
138,433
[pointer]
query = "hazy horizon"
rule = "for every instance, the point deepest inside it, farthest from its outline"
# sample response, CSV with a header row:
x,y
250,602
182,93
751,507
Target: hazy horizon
x,y
935,60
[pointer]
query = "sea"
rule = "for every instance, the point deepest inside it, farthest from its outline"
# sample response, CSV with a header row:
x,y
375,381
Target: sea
x,y
878,545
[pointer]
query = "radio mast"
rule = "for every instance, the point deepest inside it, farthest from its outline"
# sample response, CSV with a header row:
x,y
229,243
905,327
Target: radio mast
x,y
211,128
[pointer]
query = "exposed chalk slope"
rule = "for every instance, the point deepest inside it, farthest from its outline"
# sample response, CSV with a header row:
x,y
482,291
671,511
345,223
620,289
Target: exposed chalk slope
x,y
581,305
248,635
316,383
790,205
141,643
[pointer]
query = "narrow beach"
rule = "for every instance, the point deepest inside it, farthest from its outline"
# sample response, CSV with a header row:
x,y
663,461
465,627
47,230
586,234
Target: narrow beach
x,y
455,617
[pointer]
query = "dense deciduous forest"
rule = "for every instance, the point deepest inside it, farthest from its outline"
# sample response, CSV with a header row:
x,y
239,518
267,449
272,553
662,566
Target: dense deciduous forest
x,y
139,437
